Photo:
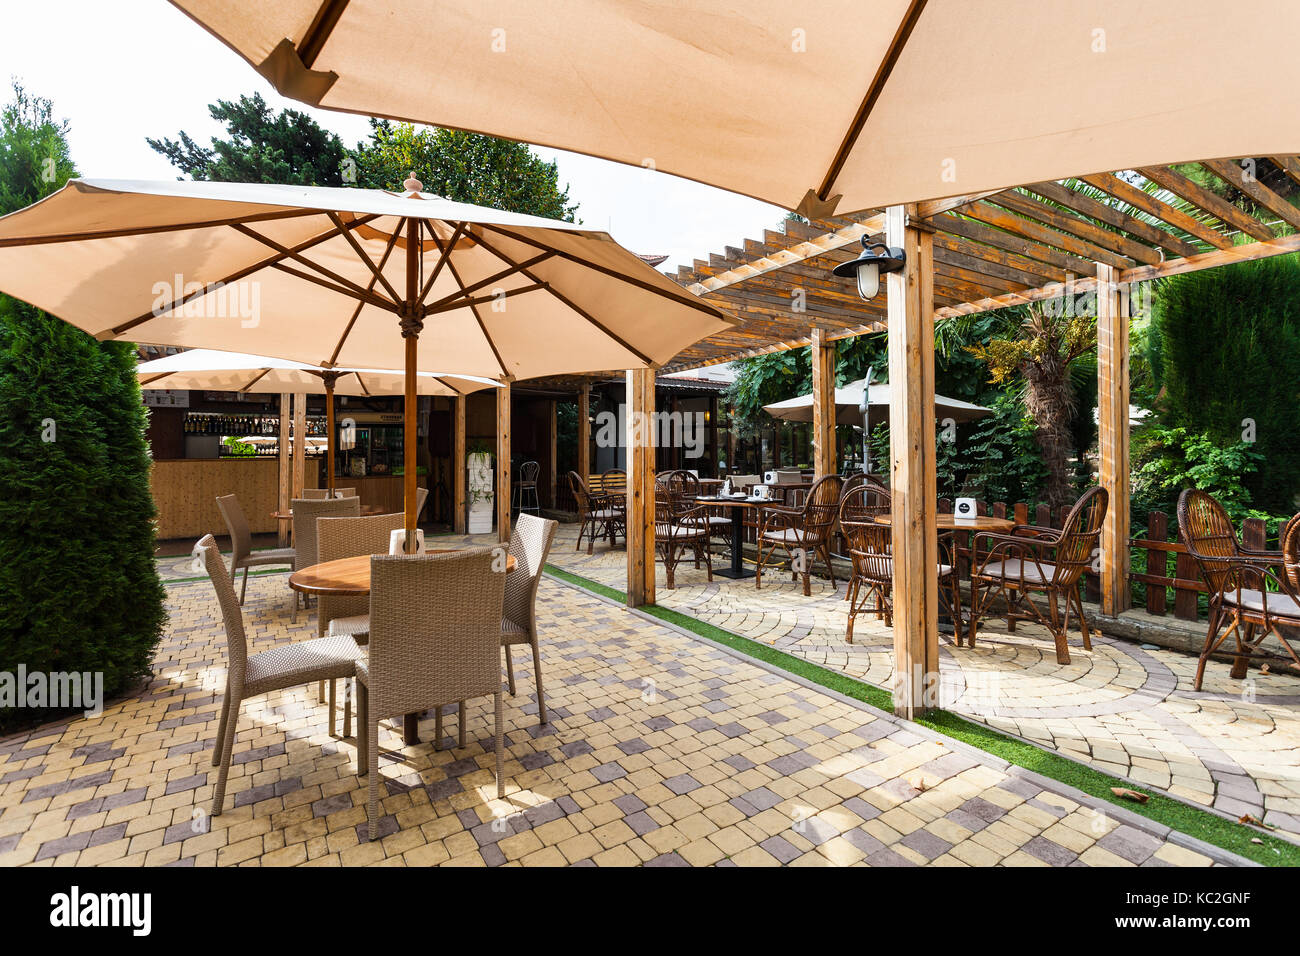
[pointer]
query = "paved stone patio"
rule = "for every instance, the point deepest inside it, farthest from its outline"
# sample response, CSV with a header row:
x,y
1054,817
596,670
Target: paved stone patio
x,y
1122,708
663,750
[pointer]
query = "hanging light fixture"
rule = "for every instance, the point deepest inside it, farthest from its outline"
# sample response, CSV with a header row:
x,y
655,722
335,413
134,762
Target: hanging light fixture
x,y
877,259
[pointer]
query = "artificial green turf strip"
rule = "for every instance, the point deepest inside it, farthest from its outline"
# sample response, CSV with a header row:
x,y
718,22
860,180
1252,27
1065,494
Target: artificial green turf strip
x,y
1174,814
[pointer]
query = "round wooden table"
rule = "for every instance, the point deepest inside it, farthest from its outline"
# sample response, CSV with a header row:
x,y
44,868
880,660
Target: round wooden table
x,y
350,577
367,511
950,522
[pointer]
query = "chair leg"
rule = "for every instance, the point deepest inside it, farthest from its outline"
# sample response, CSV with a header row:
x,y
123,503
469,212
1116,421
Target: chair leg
x,y
537,679
320,693
372,770
1083,621
363,728
501,781
510,668
460,725
347,708
333,697
227,745
1240,662
243,592
221,728
294,618
1058,631
437,727
826,556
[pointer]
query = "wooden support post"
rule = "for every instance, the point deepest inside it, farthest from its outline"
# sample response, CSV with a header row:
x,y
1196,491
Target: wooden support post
x,y
458,467
584,431
713,435
299,444
1113,437
329,431
553,423
640,487
912,454
823,383
286,475
503,463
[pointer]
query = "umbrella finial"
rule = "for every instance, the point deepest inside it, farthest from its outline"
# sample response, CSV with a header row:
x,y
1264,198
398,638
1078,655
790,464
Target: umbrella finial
x,y
413,185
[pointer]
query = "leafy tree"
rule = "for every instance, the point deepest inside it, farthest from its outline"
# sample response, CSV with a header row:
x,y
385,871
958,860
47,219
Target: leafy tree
x,y
465,167
1047,342
78,586
1225,350
289,148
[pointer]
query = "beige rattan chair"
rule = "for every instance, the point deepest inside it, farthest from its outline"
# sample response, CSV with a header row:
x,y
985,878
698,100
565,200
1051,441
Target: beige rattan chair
x,y
600,515
241,544
288,665
305,513
435,637
1030,559
530,543
1252,593
680,523
806,530
318,493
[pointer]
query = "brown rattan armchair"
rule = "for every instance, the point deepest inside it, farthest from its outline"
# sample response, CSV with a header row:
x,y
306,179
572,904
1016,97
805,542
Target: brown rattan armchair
x,y
435,637
602,516
1252,593
1012,566
681,524
870,550
804,531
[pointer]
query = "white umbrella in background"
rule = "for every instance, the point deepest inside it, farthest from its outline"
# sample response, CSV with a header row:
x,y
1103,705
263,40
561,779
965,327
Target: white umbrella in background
x,y
210,369
346,278
882,102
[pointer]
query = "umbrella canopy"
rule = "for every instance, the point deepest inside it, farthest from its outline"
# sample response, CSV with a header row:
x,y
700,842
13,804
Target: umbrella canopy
x,y
893,100
848,401
240,372
345,278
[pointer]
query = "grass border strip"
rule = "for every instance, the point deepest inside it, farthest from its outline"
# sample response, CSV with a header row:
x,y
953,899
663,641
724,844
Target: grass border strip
x,y
1160,808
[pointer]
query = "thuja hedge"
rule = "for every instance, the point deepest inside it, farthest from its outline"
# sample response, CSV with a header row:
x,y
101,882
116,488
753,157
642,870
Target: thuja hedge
x,y
78,587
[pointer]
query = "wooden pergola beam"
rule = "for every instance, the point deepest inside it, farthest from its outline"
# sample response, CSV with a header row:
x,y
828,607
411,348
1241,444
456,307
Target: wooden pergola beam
x,y
1113,436
640,498
823,424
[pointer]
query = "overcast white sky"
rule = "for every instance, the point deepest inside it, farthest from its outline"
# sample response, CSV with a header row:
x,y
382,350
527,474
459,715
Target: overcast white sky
x,y
121,70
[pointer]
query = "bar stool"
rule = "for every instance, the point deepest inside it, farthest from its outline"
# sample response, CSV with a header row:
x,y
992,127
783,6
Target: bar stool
x,y
527,488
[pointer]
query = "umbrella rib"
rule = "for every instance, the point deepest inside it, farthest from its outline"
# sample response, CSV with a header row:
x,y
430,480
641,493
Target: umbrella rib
x,y
154,378
571,304
685,298
903,34
491,297
383,261
322,25
256,379
446,257
446,254
361,254
154,230
376,301
218,283
357,291
454,300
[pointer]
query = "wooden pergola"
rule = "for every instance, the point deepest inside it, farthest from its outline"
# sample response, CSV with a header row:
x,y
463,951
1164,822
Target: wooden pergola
x,y
967,254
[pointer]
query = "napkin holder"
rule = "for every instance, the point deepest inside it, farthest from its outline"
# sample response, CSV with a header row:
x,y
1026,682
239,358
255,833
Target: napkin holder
x,y
964,508
397,541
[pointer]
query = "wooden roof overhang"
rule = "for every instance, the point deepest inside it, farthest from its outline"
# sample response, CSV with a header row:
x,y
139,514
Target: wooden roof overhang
x,y
997,249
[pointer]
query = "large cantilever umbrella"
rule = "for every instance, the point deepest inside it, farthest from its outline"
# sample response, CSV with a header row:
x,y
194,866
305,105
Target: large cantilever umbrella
x,y
347,278
849,405
878,101
240,372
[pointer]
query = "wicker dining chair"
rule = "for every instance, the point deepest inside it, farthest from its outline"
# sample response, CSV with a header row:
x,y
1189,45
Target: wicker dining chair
x,y
318,493
1252,593
681,524
305,513
870,551
287,665
805,530
600,516
1030,559
435,637
685,487
526,488
241,544
530,543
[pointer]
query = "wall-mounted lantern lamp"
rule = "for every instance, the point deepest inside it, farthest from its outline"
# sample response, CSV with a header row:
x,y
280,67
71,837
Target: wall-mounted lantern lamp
x,y
877,259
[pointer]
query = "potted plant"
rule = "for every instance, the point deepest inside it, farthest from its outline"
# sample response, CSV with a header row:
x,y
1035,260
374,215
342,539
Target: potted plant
x,y
479,490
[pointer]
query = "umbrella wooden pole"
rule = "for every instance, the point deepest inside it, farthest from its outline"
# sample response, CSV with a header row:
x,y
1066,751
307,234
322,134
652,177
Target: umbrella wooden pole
x,y
329,434
411,331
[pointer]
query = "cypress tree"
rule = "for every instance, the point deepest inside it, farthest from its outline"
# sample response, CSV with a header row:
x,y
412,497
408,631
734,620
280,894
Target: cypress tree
x,y
78,587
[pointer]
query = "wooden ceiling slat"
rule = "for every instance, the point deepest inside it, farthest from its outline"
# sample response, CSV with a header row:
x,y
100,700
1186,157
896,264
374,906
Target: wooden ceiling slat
x,y
1017,225
977,231
1220,208
1235,176
1062,221
1140,228
1109,182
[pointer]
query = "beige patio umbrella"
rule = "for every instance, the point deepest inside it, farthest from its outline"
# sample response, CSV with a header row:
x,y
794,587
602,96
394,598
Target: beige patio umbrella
x,y
241,372
879,102
345,278
849,406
